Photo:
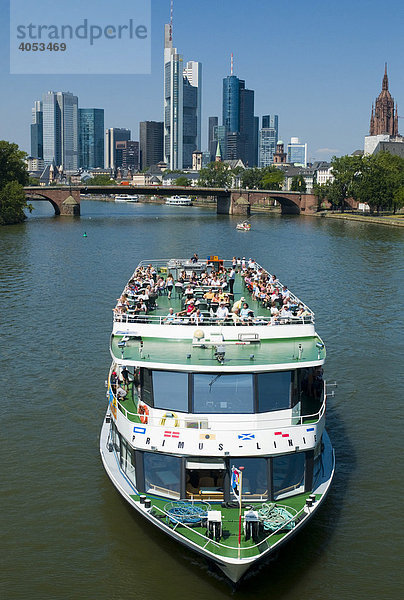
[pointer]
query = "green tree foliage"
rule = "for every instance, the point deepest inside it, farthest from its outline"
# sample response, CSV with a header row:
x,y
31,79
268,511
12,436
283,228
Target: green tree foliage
x,y
377,180
215,174
13,176
100,180
298,184
184,181
12,203
267,178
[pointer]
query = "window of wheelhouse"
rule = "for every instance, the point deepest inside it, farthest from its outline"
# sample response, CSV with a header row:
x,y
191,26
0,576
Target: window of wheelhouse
x,y
170,390
162,474
288,473
217,393
205,478
274,391
255,478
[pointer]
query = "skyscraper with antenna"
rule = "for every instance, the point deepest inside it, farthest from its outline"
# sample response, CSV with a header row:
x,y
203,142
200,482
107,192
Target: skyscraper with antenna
x,y
182,104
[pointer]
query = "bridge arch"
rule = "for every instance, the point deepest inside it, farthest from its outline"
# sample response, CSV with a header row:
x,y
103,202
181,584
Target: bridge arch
x,y
65,202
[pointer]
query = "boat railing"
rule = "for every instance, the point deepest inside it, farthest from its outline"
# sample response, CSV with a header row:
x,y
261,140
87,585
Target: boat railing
x,y
191,421
149,319
231,551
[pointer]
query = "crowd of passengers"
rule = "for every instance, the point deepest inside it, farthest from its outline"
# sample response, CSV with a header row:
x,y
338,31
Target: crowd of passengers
x,y
209,294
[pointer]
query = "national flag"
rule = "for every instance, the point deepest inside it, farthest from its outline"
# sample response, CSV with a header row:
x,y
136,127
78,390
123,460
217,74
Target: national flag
x,y
246,436
139,429
235,482
172,434
207,436
286,435
310,429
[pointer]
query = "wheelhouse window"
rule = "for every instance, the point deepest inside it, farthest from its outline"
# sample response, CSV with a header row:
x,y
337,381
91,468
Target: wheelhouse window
x,y
255,477
288,474
216,393
274,391
162,474
170,390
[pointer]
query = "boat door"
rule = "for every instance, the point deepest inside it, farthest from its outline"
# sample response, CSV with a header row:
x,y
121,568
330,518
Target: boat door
x,y
205,478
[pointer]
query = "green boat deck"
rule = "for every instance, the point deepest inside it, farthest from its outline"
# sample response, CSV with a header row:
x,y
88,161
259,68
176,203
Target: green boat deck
x,y
228,545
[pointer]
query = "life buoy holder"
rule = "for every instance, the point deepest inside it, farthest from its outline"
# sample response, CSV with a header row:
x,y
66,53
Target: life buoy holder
x,y
170,415
143,411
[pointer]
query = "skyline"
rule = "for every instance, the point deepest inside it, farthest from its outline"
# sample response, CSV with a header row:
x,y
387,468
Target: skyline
x,y
325,99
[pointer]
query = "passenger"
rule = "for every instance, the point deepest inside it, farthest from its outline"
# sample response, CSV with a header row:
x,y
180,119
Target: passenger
x,y
169,284
194,258
235,315
197,317
170,317
238,304
222,312
125,376
246,313
121,393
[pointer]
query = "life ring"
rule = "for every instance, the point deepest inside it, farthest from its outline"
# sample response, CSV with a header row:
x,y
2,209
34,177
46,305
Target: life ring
x,y
143,411
170,415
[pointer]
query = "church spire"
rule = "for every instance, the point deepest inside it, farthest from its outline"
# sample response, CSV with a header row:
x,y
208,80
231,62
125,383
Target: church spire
x,y
385,84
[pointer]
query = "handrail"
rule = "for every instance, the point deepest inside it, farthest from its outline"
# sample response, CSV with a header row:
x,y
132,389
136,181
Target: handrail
x,y
215,425
226,546
149,319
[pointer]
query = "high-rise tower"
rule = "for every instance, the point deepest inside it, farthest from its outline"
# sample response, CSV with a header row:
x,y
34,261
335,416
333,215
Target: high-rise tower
x,y
182,104
60,129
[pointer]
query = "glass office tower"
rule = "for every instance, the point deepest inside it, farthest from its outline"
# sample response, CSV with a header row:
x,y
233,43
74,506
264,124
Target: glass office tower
x,y
91,138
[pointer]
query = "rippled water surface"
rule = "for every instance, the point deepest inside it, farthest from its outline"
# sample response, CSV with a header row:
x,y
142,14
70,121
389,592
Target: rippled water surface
x,y
66,533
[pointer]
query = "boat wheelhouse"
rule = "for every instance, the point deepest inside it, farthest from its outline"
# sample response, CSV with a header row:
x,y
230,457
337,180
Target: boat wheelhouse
x,y
215,427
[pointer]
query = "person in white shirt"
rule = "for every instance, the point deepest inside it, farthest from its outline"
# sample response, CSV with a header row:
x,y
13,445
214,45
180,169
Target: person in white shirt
x,y
222,312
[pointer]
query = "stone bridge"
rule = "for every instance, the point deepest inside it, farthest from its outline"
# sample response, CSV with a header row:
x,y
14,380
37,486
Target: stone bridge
x,y
66,200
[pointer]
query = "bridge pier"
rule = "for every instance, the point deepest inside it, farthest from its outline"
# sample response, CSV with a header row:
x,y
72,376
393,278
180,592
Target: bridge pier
x,y
65,201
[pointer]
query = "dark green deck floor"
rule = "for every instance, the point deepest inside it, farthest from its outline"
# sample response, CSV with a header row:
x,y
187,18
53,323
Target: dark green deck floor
x,y
230,525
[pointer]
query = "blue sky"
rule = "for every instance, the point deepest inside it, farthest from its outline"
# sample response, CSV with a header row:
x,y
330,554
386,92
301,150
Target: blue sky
x,y
317,64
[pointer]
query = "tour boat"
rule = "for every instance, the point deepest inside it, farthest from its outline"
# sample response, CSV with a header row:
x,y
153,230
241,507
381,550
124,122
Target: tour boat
x,y
215,424
179,201
126,198
243,226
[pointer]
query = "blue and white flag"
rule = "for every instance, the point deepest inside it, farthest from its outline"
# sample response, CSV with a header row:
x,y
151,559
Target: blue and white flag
x,y
246,436
235,482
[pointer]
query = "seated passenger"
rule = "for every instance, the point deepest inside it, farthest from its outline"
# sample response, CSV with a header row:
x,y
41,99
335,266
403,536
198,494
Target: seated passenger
x,y
222,312
197,317
170,317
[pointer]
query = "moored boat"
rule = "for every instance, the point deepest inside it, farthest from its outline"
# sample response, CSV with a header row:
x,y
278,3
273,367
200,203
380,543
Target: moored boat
x,y
179,201
126,198
215,427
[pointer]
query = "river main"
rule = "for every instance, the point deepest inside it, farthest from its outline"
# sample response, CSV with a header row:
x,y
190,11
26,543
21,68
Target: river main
x,y
67,533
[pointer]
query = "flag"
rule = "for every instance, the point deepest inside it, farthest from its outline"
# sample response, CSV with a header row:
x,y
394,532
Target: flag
x,y
235,482
246,436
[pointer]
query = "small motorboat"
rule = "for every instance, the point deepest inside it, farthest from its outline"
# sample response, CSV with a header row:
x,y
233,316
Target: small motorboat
x,y
245,226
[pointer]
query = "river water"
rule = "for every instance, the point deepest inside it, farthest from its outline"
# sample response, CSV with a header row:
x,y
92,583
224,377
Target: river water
x,y
66,532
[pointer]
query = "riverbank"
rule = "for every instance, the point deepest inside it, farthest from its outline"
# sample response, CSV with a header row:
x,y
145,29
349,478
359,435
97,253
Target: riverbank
x,y
391,220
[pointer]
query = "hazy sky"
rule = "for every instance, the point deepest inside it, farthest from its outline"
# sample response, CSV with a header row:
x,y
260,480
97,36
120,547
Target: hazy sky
x,y
317,64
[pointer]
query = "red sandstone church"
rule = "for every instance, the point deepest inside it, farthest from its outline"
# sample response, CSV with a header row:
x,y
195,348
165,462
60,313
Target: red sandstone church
x,y
384,119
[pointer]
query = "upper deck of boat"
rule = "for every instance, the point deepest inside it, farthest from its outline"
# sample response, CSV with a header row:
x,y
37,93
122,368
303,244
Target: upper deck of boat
x,y
208,291
141,325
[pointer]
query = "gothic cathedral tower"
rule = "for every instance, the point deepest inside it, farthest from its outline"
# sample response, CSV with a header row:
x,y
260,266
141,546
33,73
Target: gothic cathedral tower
x,y
384,119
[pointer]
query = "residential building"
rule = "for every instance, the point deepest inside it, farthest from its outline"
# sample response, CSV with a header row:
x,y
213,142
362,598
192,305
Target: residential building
x,y
323,172
112,136
297,153
60,130
91,138
291,171
151,143
37,130
268,138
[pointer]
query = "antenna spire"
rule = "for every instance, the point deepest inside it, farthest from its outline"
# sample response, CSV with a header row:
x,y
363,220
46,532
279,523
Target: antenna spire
x,y
231,64
171,19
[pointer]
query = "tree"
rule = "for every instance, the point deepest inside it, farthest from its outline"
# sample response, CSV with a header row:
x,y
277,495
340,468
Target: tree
x,y
12,165
100,180
215,174
184,181
272,178
12,203
321,193
298,184
398,199
346,170
13,176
